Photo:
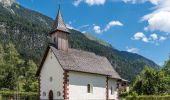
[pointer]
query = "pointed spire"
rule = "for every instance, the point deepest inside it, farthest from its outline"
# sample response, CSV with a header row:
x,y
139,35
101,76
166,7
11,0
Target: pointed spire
x,y
59,6
59,23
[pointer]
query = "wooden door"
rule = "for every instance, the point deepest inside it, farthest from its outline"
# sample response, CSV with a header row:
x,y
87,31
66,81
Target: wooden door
x,y
50,95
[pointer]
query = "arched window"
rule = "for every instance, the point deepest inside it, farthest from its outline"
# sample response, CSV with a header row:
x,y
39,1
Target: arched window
x,y
89,88
58,93
44,93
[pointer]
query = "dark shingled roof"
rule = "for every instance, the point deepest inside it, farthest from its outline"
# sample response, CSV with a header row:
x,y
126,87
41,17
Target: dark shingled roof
x,y
59,23
78,60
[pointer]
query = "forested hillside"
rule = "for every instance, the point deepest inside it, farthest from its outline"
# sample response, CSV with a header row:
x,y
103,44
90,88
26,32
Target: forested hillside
x,y
28,31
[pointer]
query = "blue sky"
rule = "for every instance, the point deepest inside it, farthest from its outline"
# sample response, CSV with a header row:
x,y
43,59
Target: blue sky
x,y
138,26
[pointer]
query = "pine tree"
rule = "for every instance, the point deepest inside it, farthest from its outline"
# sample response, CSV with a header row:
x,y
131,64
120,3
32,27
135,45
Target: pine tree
x,y
13,67
31,81
2,65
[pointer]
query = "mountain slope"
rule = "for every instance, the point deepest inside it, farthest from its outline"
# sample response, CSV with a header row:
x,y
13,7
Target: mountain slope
x,y
28,30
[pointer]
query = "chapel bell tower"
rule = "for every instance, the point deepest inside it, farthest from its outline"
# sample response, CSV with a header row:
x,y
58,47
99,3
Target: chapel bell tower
x,y
59,33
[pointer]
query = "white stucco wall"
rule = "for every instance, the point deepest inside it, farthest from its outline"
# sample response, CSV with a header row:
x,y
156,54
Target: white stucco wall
x,y
113,84
51,68
78,86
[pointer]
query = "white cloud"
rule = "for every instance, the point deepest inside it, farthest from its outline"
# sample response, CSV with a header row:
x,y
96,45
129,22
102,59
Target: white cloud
x,y
69,26
159,19
112,23
95,2
132,50
133,1
97,29
89,2
84,32
155,2
153,38
102,2
145,39
77,2
161,64
162,38
84,26
140,36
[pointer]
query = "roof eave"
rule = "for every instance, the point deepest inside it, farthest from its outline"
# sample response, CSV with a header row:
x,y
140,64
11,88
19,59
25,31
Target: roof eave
x,y
59,30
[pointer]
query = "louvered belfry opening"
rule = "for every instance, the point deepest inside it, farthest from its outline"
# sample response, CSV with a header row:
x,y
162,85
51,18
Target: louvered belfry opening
x,y
59,33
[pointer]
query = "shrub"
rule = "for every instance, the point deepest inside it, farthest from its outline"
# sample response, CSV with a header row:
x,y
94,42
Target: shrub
x,y
123,94
0,97
28,95
152,97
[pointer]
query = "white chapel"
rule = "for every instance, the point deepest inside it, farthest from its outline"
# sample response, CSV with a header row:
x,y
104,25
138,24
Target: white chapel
x,y
69,74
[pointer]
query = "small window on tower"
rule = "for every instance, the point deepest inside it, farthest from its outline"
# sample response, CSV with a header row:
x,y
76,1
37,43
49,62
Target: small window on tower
x,y
55,40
